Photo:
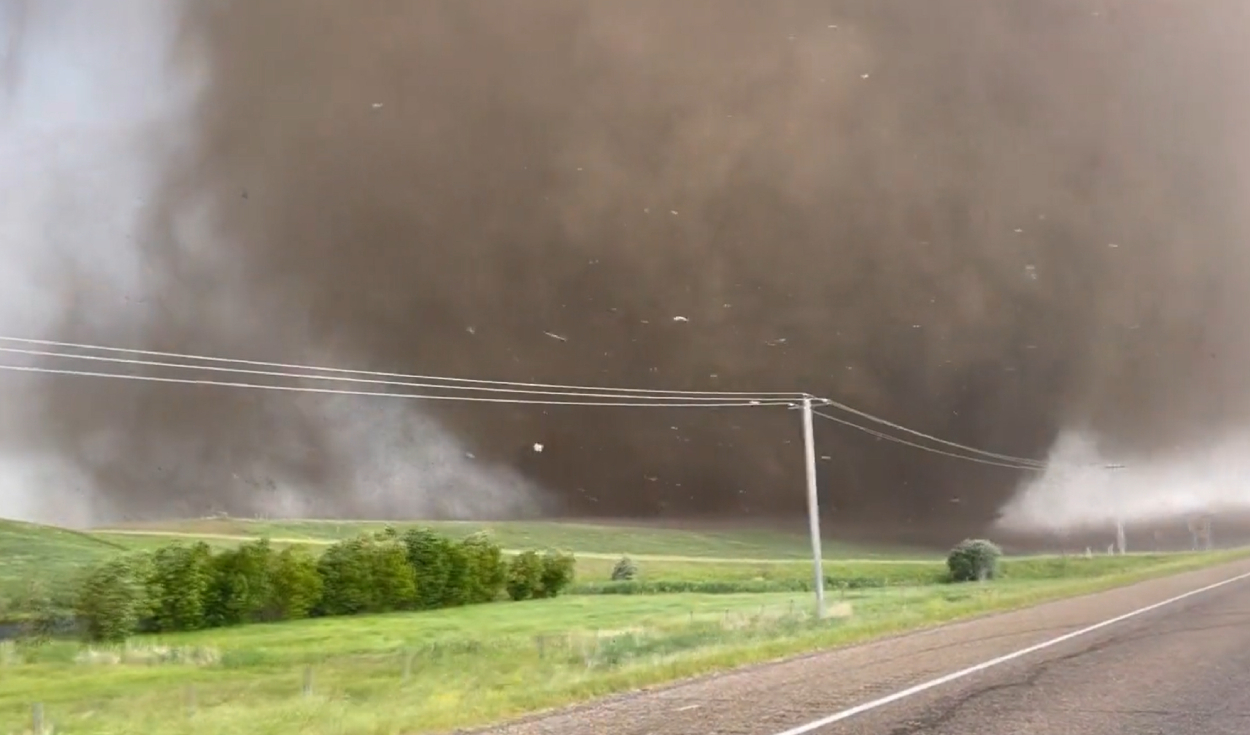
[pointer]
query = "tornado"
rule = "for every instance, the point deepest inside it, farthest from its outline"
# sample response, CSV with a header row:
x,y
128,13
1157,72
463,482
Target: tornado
x,y
1005,224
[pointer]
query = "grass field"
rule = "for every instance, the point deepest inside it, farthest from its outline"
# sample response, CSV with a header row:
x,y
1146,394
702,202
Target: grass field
x,y
445,669
434,671
53,556
608,541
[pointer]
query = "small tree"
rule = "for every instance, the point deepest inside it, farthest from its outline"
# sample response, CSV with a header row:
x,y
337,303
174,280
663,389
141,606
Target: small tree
x,y
525,576
240,585
366,575
430,556
486,572
973,560
393,581
558,571
112,600
625,570
181,579
456,591
295,587
346,578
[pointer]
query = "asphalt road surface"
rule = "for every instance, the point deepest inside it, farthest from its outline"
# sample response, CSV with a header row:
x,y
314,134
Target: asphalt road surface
x,y
1182,668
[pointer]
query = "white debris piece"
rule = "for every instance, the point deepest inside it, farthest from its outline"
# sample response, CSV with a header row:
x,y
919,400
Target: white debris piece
x,y
377,105
863,76
680,319
553,335
471,330
1112,245
538,447
672,211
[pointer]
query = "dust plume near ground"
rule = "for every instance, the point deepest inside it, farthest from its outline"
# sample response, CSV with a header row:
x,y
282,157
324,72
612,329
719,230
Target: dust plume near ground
x,y
990,221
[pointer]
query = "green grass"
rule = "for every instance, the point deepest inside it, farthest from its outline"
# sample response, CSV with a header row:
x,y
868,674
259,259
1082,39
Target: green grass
x,y
609,541
49,556
482,664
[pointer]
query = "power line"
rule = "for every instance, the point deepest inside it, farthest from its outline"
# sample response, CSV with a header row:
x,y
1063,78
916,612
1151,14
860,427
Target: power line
x,y
372,381
905,442
729,402
401,376
993,455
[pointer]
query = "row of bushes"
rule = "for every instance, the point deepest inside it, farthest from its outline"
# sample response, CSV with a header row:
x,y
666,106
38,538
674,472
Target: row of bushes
x,y
191,587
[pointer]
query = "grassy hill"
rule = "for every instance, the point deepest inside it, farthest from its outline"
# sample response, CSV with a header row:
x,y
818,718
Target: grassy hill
x,y
49,555
586,540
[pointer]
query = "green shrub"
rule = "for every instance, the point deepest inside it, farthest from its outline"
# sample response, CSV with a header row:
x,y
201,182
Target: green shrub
x,y
430,556
557,574
625,570
179,586
364,575
973,560
525,576
455,592
240,588
392,577
294,585
485,571
113,599
344,569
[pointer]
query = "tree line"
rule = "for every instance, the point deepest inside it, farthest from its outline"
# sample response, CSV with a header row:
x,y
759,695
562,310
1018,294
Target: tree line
x,y
185,587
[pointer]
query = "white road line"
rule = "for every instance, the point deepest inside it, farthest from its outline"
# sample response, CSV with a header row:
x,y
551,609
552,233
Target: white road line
x,y
846,714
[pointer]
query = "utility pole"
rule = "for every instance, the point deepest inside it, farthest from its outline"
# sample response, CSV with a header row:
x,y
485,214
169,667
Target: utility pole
x,y
813,506
1121,542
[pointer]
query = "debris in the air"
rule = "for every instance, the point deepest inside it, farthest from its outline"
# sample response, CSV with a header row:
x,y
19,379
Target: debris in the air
x,y
1031,272
538,447
834,27
377,105
825,457
1019,231
672,211
553,335
863,76
470,330
470,455
915,326
775,342
680,319
1112,245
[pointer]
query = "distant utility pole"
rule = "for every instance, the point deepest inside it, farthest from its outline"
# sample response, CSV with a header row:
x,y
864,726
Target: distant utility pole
x,y
1121,543
813,506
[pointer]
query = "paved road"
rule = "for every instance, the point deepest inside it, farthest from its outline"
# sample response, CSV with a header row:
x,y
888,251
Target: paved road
x,y
1182,669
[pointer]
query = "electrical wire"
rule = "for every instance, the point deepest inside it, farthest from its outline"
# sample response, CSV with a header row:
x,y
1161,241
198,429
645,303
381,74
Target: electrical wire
x,y
639,401
372,381
993,455
647,392
905,442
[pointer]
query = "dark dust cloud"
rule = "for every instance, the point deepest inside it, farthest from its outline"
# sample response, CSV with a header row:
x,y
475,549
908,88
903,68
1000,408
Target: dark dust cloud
x,y
987,220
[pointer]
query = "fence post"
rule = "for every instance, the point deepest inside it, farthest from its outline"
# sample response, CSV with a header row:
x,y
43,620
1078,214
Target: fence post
x,y
36,719
308,681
